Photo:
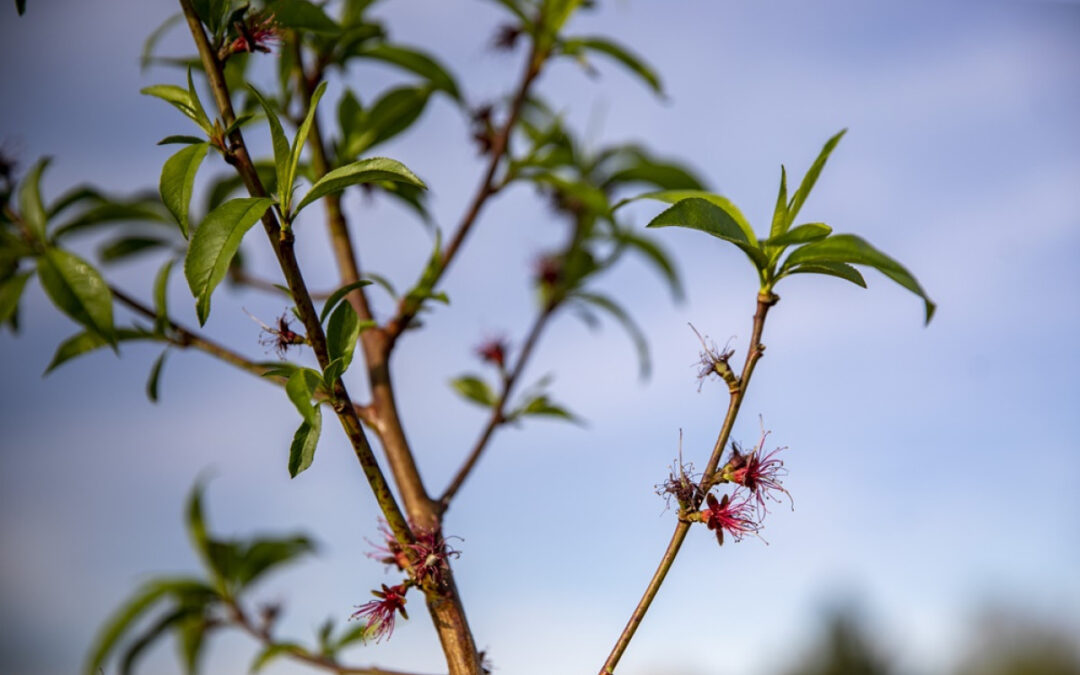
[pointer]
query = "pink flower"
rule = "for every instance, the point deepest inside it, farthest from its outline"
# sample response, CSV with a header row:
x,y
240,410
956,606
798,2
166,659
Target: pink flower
x,y
379,614
391,552
728,514
761,474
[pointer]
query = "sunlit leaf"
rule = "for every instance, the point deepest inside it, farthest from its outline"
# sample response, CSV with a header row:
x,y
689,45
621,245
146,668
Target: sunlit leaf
x,y
809,179
78,290
31,207
371,170
720,222
848,248
475,390
215,243
178,179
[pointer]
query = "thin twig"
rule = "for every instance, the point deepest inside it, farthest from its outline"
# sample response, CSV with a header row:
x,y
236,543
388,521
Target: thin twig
x,y
756,349
282,243
498,412
488,186
241,619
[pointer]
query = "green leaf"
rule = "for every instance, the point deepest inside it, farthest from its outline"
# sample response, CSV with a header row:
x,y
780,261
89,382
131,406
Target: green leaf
x,y
301,138
833,269
215,243
143,599
263,555
302,15
161,297
475,390
338,295
620,315
342,332
191,631
848,248
637,166
181,99
139,210
177,181
196,527
182,139
809,179
31,207
371,170
281,148
302,450
272,651
73,196
719,201
11,290
77,289
542,406
84,342
147,56
390,115
699,214
621,54
155,377
414,61
149,636
655,254
802,234
125,247
779,219
301,387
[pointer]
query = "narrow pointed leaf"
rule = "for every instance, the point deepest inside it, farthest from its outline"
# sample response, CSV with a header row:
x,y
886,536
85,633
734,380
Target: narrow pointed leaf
x,y
809,179
301,138
141,602
338,295
833,269
779,219
109,212
178,97
414,61
77,289
803,234
627,58
272,651
474,389
126,247
31,207
342,332
299,391
86,341
177,181
305,440
11,290
371,170
281,148
719,201
215,243
155,378
706,216
302,15
848,248
161,299
632,329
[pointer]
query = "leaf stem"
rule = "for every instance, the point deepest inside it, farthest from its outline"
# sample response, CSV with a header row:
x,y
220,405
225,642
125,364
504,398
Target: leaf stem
x,y
756,349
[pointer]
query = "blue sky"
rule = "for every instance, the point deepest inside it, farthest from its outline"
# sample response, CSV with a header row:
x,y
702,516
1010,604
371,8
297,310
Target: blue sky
x,y
932,468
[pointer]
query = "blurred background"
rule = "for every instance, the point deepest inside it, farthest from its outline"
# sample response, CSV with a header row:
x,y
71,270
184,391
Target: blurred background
x,y
936,526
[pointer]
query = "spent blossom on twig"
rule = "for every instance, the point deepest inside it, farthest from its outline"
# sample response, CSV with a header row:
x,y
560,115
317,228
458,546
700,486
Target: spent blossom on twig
x,y
713,361
759,472
379,614
733,515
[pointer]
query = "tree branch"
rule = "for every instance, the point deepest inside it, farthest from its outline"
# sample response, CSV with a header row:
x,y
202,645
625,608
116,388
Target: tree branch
x,y
756,349
406,308
498,412
282,243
